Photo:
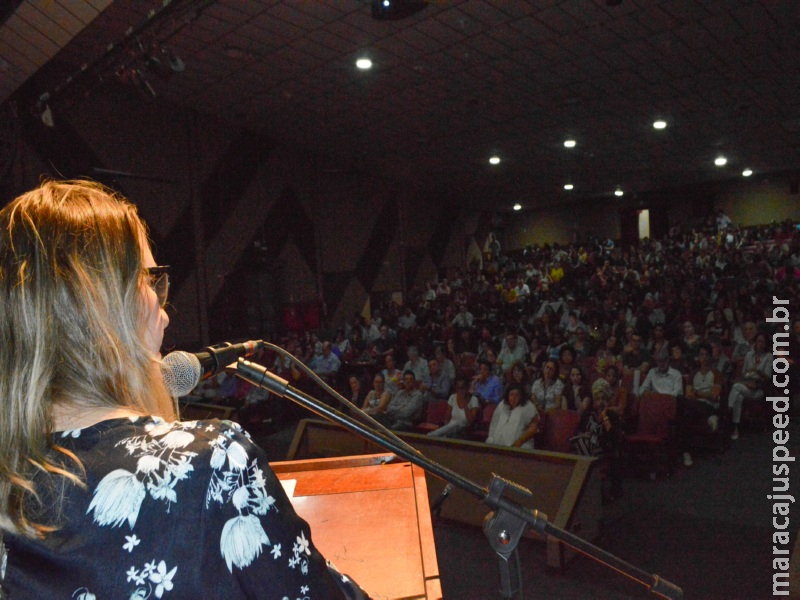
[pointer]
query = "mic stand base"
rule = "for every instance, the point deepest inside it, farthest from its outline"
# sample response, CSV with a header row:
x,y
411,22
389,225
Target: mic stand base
x,y
504,531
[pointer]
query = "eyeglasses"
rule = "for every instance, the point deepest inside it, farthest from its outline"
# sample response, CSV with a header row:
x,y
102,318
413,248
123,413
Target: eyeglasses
x,y
158,279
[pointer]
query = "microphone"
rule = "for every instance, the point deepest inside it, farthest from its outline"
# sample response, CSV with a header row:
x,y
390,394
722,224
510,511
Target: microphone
x,y
182,371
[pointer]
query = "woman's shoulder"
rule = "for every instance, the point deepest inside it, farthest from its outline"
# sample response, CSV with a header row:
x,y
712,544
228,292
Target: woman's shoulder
x,y
144,440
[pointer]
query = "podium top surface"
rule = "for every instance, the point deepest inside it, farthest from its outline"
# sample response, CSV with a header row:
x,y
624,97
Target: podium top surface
x,y
369,516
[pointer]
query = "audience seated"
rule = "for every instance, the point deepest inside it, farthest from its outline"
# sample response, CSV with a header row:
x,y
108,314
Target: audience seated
x,y
577,393
377,399
514,422
546,391
756,375
488,388
606,308
327,364
511,353
599,434
357,391
438,384
404,407
419,366
664,379
462,410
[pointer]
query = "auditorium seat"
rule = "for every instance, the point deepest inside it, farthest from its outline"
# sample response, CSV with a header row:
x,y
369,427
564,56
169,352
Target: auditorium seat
x,y
561,426
653,443
466,364
481,429
435,416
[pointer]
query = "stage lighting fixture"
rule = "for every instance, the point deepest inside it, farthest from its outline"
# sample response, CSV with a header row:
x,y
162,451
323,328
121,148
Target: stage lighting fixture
x,y
394,10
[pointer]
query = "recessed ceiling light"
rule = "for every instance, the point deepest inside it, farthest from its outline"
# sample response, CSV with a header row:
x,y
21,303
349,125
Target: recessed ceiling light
x,y
569,143
495,160
618,192
568,186
720,161
364,64
747,172
518,207
659,124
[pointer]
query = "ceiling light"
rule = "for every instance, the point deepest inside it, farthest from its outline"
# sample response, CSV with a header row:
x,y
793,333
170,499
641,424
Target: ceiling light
x,y
618,191
394,10
659,124
568,186
364,64
747,172
720,161
518,207
569,144
495,160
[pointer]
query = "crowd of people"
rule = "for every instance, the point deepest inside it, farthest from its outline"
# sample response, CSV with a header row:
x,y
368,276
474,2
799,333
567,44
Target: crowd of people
x,y
589,328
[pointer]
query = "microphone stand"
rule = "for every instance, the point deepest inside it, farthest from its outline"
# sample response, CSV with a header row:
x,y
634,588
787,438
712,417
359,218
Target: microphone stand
x,y
509,520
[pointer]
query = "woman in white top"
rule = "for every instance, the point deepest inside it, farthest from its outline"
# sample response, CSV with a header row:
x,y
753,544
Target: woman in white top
x,y
546,391
462,410
378,397
515,421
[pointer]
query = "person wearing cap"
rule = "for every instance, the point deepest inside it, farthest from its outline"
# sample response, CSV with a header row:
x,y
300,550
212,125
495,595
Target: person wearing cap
x,y
598,434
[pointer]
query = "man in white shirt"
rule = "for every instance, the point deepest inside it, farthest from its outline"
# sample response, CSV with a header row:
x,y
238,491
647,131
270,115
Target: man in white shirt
x,y
663,379
464,319
511,354
408,319
523,291
418,366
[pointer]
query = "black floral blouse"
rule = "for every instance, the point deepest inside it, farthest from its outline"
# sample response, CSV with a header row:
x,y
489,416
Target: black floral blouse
x,y
171,510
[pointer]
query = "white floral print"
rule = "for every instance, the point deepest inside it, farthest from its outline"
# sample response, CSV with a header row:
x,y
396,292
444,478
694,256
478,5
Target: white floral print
x,y
144,471
243,486
241,541
131,542
151,574
117,498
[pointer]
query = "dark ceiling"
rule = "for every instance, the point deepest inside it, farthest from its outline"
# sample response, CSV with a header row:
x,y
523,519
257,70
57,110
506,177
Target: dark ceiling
x,y
455,83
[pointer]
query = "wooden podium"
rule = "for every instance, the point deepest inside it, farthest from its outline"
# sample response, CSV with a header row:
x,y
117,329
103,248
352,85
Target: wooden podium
x,y
369,516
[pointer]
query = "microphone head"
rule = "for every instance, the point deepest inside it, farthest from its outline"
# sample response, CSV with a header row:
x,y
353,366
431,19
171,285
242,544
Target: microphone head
x,y
181,372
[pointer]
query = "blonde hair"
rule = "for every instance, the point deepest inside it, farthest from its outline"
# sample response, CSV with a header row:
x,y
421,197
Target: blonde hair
x,y
72,331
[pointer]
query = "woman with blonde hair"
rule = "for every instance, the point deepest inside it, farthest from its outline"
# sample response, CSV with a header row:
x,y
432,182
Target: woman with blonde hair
x,y
102,492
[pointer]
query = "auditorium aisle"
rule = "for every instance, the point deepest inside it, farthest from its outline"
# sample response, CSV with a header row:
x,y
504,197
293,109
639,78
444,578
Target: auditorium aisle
x,y
708,529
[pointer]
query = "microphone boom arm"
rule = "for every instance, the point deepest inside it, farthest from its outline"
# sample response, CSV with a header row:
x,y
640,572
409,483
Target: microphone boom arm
x,y
510,519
